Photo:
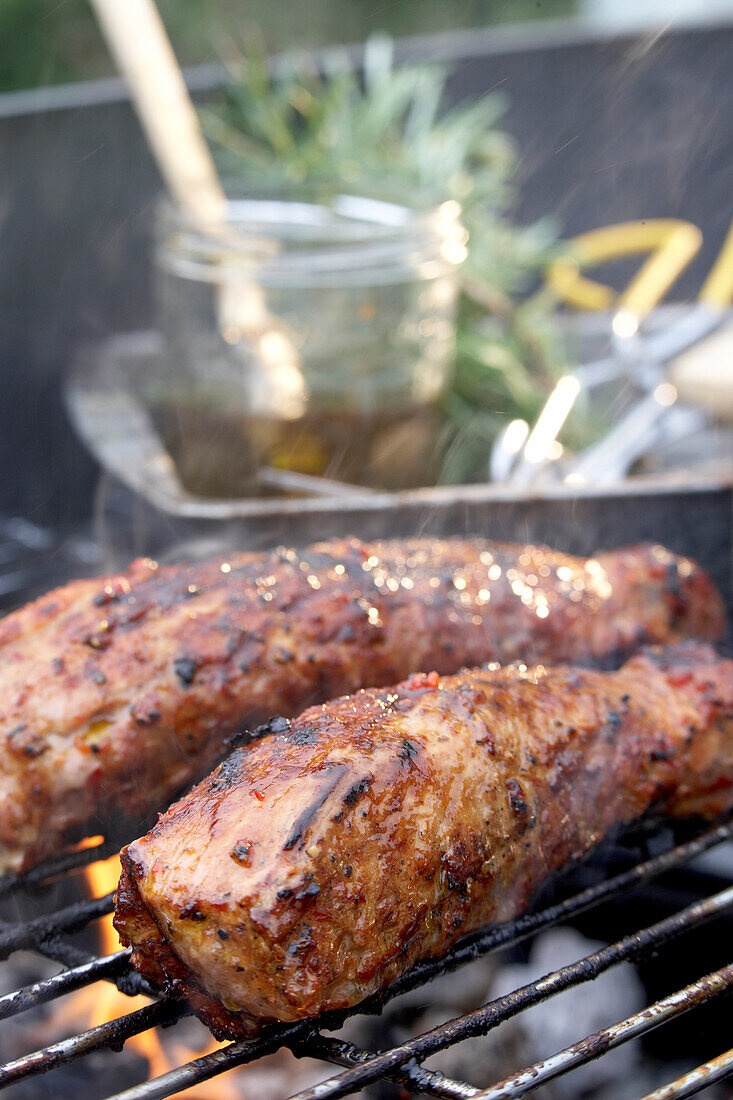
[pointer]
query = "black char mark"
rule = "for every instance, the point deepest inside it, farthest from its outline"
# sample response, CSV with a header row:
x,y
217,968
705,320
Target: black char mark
x,y
355,792
228,771
246,737
407,751
185,670
304,734
516,797
297,833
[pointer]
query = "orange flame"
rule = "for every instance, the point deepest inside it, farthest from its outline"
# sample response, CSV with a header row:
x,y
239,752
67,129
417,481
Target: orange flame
x,y
101,1006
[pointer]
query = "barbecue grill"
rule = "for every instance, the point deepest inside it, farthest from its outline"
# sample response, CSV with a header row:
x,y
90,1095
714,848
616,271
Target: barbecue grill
x,y
48,935
601,895
71,143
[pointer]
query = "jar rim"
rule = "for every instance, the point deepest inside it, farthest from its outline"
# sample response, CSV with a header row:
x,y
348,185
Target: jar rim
x,y
281,240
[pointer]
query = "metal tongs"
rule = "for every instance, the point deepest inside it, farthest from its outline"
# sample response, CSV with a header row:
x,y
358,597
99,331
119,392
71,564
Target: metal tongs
x,y
522,456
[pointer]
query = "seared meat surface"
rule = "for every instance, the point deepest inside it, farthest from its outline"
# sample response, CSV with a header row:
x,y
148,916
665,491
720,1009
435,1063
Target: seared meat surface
x,y
317,864
117,692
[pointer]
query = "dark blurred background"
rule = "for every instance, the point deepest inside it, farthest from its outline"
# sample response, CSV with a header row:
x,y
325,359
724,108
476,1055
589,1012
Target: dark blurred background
x,y
620,111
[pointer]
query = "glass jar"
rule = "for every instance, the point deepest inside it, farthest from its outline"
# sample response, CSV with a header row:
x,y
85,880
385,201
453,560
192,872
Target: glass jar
x,y
309,337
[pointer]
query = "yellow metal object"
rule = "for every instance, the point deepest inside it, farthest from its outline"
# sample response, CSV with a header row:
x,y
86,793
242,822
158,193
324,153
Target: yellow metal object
x,y
717,290
672,244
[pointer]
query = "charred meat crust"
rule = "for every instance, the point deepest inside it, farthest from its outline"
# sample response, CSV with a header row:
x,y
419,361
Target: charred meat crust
x,y
420,813
118,692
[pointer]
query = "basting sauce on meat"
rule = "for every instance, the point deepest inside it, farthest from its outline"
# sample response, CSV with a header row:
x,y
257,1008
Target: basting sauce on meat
x,y
317,864
119,691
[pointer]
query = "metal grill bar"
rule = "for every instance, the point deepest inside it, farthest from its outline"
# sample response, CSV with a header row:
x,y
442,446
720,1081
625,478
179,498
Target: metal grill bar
x,y
57,866
60,951
717,1069
594,1046
489,1016
415,1078
12,1004
70,919
111,1035
210,1065
316,1046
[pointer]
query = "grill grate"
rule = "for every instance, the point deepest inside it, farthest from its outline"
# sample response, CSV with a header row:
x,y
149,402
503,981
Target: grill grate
x,y
402,1064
